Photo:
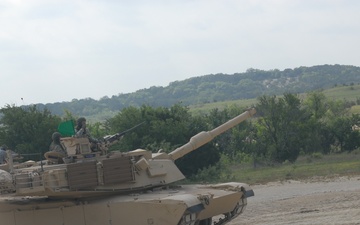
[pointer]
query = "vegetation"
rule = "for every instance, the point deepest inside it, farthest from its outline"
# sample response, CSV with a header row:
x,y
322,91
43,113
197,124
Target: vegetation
x,y
27,130
348,93
306,167
214,88
284,128
287,129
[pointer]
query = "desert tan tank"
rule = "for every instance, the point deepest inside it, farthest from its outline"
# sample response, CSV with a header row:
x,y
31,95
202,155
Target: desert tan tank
x,y
117,188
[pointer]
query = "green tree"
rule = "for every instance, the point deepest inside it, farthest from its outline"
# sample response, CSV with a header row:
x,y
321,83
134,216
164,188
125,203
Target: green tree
x,y
125,119
319,138
165,129
281,127
27,130
316,104
346,138
336,108
341,129
232,141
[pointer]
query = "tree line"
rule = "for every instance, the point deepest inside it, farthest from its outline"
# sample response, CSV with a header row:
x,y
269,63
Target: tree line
x,y
284,127
216,88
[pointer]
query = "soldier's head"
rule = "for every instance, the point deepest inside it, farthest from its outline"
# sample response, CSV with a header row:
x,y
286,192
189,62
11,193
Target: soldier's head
x,y
4,147
56,137
81,122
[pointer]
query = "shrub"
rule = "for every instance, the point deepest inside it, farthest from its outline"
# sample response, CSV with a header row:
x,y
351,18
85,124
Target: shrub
x,y
316,155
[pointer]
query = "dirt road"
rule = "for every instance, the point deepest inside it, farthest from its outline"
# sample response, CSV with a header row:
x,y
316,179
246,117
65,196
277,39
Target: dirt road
x,y
317,201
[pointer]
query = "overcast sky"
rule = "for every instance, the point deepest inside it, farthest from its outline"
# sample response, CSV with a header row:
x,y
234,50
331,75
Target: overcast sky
x,y
54,51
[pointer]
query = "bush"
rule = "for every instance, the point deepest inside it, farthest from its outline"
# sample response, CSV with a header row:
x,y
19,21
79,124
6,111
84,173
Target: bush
x,y
286,162
356,151
216,173
208,175
316,155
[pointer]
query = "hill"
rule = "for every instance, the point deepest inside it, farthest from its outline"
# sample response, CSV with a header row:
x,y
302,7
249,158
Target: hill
x,y
350,93
215,88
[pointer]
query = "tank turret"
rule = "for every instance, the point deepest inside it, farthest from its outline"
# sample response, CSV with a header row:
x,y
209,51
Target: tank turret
x,y
126,182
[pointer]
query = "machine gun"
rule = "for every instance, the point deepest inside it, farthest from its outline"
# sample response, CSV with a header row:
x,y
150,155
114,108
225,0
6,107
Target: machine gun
x,y
109,140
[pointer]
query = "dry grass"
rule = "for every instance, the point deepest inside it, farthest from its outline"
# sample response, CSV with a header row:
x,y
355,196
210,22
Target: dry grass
x,y
304,168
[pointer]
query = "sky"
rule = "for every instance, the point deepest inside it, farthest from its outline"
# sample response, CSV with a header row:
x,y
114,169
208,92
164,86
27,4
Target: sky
x,y
60,50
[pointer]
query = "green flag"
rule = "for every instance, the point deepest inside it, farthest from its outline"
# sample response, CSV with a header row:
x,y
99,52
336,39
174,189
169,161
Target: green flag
x,y
66,129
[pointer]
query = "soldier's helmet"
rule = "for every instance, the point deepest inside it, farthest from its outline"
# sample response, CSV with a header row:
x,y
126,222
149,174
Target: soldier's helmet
x,y
56,136
79,123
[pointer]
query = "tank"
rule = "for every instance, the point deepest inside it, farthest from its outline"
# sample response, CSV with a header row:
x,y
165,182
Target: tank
x,y
117,188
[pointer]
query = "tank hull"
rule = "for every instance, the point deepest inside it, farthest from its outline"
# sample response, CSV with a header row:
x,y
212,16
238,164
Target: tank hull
x,y
171,206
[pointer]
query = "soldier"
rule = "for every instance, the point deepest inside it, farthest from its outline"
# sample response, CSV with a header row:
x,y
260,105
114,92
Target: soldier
x,y
3,154
56,145
82,131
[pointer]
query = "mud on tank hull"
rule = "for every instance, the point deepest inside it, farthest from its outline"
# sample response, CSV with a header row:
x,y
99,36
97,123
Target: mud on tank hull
x,y
182,205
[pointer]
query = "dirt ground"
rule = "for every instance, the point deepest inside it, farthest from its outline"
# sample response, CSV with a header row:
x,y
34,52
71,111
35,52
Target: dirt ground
x,y
316,201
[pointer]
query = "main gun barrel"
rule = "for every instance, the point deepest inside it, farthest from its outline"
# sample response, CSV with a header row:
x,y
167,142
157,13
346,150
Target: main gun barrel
x,y
206,136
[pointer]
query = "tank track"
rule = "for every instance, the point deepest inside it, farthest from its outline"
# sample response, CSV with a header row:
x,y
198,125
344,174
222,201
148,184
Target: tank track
x,y
239,208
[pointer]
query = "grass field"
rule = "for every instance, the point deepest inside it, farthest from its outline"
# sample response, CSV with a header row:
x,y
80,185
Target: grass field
x,y
205,108
350,93
306,167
